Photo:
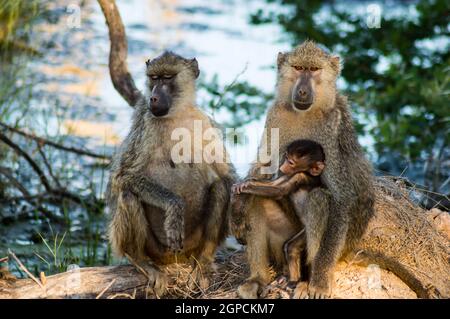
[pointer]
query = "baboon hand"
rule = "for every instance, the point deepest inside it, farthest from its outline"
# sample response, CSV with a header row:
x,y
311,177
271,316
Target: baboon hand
x,y
175,227
175,239
239,188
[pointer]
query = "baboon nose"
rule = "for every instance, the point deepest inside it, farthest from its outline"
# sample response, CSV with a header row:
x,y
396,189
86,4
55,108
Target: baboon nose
x,y
154,99
302,92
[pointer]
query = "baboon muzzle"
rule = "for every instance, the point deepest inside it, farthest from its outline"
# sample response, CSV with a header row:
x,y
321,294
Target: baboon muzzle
x,y
160,101
302,92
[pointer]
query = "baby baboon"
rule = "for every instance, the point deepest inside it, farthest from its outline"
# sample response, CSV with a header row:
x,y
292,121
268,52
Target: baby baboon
x,y
335,217
164,210
304,162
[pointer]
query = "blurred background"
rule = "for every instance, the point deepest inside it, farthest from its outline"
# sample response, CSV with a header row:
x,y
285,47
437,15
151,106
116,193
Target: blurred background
x,y
61,119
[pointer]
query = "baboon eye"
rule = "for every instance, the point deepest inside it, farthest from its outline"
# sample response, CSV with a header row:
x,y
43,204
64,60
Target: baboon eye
x,y
154,77
313,69
299,68
167,76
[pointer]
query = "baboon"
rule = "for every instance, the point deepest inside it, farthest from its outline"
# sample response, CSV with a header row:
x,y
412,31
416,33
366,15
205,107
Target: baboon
x,y
304,162
308,106
162,210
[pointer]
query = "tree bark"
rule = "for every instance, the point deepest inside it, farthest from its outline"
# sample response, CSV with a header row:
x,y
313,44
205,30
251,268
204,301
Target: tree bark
x,y
121,78
79,283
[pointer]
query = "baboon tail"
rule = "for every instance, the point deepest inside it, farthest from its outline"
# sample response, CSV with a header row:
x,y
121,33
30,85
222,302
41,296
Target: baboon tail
x,y
423,287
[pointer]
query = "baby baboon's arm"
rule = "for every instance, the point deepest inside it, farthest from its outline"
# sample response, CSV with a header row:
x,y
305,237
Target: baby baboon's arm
x,y
278,188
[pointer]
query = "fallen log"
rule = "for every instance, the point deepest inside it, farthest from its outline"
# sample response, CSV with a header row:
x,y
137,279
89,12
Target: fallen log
x,y
87,282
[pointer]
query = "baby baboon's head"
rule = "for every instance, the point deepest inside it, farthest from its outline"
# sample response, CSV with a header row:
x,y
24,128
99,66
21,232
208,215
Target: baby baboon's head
x,y
171,82
307,76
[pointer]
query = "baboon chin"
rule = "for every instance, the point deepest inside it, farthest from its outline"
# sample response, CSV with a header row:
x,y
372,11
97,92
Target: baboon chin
x,y
156,216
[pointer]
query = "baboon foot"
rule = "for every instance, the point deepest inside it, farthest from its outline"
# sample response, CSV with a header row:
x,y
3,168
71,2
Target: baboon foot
x,y
199,278
308,291
157,280
249,290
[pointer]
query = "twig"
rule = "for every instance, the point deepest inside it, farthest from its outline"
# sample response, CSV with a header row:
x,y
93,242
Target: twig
x,y
43,278
228,87
28,158
142,270
121,295
31,199
106,288
44,180
47,164
44,141
4,259
25,269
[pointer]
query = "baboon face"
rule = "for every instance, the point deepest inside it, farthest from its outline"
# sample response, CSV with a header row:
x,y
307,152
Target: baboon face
x,y
303,156
304,73
303,89
170,77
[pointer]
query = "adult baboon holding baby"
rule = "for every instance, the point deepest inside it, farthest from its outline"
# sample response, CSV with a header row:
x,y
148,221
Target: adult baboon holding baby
x,y
335,218
164,210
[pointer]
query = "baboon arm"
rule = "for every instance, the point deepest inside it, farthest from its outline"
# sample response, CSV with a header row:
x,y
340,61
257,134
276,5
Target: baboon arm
x,y
277,188
152,193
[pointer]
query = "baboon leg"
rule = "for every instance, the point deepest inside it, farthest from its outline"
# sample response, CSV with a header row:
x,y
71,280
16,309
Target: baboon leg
x,y
128,229
214,232
326,226
258,252
129,236
293,249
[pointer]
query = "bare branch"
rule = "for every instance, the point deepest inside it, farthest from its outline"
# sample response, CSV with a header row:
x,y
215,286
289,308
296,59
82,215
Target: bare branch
x,y
44,141
43,178
31,199
25,269
121,78
28,158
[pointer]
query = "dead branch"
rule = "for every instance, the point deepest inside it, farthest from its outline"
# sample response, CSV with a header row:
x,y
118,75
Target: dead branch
x,y
121,78
29,274
61,192
43,141
28,158
79,283
31,199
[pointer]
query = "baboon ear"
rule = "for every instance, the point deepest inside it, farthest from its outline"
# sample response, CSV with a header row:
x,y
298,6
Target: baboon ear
x,y
336,63
317,169
194,65
281,58
147,62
